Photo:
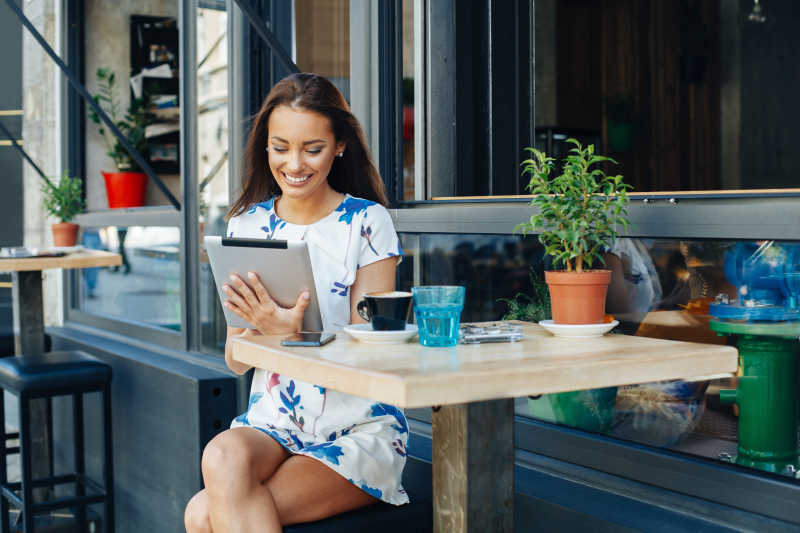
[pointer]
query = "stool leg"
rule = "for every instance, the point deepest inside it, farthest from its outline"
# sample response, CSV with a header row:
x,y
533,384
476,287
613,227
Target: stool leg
x,y
108,462
4,525
25,449
80,468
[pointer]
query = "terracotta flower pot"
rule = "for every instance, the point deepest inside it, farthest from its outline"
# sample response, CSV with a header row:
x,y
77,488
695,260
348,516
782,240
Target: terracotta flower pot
x,y
65,234
125,189
578,297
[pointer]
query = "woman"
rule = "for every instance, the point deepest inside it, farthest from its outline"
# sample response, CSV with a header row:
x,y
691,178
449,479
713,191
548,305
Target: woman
x,y
301,452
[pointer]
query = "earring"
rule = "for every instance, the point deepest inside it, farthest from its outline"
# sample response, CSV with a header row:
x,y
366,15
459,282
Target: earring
x,y
340,154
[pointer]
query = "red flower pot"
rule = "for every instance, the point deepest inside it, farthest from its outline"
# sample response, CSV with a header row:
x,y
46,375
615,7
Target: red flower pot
x,y
125,189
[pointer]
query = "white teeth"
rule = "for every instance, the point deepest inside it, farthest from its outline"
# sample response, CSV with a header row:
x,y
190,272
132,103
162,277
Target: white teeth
x,y
296,181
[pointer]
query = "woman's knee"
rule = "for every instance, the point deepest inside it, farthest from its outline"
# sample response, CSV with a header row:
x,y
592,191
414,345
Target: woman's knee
x,y
195,517
227,457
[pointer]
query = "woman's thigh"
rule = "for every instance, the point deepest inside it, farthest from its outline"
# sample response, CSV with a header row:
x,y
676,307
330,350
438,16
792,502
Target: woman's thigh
x,y
239,455
305,490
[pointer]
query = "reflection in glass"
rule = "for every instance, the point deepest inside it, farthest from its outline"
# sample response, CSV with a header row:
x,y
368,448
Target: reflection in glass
x,y
212,151
686,96
139,43
660,288
321,40
146,287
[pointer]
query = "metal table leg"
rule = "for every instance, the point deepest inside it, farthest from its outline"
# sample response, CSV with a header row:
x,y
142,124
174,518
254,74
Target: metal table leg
x,y
473,467
29,340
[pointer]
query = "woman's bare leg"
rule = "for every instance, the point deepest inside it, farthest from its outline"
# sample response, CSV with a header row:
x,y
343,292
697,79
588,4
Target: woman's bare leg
x,y
195,518
236,463
304,489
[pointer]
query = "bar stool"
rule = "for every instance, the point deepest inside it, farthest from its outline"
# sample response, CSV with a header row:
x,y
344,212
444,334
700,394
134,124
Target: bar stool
x,y
44,376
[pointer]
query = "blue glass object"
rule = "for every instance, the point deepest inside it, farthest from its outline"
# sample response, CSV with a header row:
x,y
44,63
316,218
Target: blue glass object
x,y
438,312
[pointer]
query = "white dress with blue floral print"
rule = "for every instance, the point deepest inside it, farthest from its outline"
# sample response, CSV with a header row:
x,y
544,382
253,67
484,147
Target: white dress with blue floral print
x,y
363,440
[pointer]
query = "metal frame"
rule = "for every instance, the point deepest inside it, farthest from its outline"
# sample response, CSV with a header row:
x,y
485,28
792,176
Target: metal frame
x,y
440,88
18,145
390,76
732,219
190,249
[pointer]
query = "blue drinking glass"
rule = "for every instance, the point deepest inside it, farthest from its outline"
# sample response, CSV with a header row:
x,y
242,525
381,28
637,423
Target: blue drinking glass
x,y
438,311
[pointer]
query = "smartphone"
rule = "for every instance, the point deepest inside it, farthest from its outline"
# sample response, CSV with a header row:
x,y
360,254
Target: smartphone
x,y
308,338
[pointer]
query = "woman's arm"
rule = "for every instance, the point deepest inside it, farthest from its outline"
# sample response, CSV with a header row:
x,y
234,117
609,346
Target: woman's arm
x,y
236,366
375,277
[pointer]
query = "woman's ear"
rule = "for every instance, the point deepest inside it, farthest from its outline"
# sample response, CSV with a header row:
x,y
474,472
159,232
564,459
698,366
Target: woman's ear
x,y
340,148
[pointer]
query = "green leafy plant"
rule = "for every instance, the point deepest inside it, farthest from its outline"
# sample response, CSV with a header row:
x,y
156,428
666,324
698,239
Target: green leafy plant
x,y
132,123
529,308
63,200
579,210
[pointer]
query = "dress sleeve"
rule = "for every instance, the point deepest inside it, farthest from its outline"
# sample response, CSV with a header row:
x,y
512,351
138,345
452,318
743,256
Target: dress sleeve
x,y
232,227
379,240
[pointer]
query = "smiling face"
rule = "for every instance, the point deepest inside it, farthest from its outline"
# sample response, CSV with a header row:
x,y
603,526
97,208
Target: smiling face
x,y
301,151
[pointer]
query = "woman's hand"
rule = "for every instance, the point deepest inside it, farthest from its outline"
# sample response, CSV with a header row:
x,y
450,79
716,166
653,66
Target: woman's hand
x,y
253,303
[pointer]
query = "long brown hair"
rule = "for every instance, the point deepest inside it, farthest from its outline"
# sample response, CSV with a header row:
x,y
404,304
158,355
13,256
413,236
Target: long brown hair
x,y
353,174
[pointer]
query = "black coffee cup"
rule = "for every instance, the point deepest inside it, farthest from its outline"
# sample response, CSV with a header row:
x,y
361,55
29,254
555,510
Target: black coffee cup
x,y
386,310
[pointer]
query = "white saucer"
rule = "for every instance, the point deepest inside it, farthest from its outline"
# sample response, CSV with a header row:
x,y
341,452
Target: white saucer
x,y
365,333
578,330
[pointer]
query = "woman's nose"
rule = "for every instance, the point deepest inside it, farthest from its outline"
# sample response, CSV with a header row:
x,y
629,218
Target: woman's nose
x,y
295,162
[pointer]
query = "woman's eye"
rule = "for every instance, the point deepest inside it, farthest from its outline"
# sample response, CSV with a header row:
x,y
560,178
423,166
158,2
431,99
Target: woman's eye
x,y
279,149
314,151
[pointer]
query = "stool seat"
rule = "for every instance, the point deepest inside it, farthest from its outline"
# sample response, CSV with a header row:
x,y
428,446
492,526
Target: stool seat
x,y
66,371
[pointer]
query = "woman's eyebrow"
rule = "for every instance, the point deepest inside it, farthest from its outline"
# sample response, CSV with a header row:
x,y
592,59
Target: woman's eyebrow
x,y
275,138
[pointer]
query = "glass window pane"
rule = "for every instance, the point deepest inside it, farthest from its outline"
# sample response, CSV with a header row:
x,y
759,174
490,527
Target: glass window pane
x,y
321,40
686,96
140,48
146,287
661,288
212,151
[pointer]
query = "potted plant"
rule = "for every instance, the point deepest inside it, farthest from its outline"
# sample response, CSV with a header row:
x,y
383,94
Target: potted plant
x,y
126,187
579,213
63,201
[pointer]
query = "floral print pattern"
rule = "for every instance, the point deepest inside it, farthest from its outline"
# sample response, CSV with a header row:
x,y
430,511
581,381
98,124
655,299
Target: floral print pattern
x,y
364,441
352,206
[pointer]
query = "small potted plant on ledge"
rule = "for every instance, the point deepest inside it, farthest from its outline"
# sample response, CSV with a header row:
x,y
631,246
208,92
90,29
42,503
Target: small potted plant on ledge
x,y
63,201
579,213
127,186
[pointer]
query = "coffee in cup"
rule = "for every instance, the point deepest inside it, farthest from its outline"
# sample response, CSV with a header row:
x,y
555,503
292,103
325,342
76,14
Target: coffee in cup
x,y
387,310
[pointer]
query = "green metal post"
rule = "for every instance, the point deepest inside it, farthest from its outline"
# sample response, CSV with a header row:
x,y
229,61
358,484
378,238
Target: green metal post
x,y
766,397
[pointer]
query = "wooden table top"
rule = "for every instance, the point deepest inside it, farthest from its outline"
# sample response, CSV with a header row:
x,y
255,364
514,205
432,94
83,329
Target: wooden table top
x,y
80,259
411,375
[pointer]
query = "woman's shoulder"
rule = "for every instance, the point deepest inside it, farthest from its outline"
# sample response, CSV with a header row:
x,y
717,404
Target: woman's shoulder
x,y
253,213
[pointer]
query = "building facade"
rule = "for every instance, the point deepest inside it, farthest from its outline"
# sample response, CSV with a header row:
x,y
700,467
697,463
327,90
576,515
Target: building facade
x,y
694,99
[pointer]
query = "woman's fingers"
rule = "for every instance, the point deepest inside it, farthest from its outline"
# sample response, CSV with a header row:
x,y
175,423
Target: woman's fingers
x,y
300,307
244,290
234,297
260,291
236,309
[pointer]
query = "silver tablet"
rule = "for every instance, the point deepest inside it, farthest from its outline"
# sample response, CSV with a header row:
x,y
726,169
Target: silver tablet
x,y
283,266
